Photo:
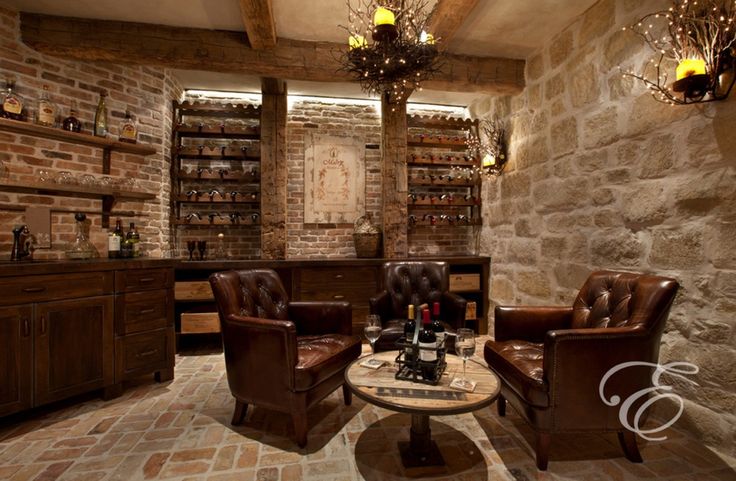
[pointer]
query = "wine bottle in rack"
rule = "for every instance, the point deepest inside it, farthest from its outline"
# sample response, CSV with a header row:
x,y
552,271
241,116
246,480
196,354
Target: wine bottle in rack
x,y
427,348
437,326
409,328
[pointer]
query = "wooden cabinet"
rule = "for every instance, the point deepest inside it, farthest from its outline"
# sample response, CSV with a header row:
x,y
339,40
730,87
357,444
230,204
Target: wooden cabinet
x,y
16,359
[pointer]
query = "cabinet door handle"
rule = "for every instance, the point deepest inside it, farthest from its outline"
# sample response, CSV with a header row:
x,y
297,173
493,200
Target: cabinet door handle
x,y
146,279
338,297
146,311
147,353
26,327
34,289
43,324
339,276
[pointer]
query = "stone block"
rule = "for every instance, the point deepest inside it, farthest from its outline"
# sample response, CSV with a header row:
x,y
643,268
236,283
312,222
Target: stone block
x,y
561,195
560,49
620,86
534,96
534,283
617,248
608,218
619,48
660,157
712,332
601,129
578,247
531,151
584,85
646,115
701,194
515,185
720,244
602,196
523,251
526,228
502,290
564,136
560,223
629,153
535,67
597,21
644,206
554,86
681,248
571,276
553,248
592,161
557,108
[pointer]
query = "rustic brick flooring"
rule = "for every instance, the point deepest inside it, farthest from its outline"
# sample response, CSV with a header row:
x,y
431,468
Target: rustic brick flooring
x,y
180,431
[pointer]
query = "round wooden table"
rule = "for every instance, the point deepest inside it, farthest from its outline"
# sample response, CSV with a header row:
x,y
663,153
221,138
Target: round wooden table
x,y
379,387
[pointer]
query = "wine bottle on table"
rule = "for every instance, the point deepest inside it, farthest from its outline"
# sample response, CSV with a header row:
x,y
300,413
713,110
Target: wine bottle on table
x,y
115,241
409,327
134,237
437,326
428,346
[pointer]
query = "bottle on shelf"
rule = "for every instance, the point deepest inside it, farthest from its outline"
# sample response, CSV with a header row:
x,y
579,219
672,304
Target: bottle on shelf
x,y
437,326
220,250
128,129
427,348
115,241
100,128
72,123
46,113
134,239
12,102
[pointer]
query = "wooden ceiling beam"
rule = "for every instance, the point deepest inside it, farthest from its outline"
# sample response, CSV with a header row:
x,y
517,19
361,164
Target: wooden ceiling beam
x,y
447,17
224,51
259,24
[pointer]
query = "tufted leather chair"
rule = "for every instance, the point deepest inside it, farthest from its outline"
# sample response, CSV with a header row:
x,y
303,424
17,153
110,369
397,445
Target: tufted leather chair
x,y
551,360
414,282
281,355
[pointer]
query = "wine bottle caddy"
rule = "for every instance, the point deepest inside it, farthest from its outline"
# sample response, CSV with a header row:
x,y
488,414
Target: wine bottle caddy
x,y
412,369
216,165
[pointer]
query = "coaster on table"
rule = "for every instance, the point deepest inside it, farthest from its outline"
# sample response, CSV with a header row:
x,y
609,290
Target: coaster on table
x,y
458,384
372,363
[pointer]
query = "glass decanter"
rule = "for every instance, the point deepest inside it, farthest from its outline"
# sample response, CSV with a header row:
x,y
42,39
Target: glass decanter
x,y
81,248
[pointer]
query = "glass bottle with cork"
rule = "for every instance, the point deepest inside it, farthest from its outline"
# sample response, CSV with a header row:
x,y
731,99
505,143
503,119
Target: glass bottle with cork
x,y
12,107
46,112
115,241
100,128
72,123
428,348
134,239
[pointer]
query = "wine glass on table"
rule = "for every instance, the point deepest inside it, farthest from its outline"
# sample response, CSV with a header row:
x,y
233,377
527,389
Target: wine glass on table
x,y
372,332
465,348
191,246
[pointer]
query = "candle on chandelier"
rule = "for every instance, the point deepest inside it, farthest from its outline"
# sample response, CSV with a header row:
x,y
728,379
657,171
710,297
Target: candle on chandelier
x,y
689,67
357,41
489,160
383,16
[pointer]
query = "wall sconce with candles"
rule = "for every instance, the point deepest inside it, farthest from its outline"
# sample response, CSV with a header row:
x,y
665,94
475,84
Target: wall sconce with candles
x,y
700,38
489,146
400,54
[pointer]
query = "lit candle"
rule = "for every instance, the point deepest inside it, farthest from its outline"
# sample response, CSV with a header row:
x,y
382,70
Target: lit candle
x,y
383,16
357,41
427,38
489,160
689,67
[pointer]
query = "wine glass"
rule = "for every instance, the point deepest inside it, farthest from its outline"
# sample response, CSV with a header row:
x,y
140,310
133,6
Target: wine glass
x,y
191,245
465,348
372,332
202,248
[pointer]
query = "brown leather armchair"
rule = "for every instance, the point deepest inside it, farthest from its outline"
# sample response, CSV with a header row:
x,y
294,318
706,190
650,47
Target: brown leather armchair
x,y
414,282
281,355
551,360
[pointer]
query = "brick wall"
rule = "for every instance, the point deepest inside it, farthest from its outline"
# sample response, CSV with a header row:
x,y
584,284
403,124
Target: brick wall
x,y
601,175
146,92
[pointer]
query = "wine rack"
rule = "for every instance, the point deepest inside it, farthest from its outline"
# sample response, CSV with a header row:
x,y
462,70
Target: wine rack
x,y
216,168
444,187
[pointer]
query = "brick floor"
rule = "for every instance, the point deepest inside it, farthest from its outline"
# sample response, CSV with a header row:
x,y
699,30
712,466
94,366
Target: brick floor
x,y
180,431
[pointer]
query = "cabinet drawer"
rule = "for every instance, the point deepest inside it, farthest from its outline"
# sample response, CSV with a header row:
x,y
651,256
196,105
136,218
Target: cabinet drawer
x,y
143,279
145,352
199,322
355,285
21,290
143,311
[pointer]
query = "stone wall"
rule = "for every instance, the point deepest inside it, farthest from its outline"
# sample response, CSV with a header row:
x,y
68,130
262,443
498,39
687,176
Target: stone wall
x,y
146,92
603,176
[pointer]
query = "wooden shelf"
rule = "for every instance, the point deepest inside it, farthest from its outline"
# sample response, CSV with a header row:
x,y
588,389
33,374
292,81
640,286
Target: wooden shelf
x,y
218,134
426,141
455,182
457,202
441,161
446,123
254,178
216,222
69,190
216,153
444,224
28,128
207,109
205,199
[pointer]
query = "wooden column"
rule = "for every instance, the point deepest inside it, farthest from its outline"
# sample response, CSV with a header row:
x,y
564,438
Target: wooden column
x,y
273,169
393,177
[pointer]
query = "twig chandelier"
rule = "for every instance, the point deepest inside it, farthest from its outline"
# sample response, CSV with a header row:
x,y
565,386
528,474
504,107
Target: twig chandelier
x,y
400,54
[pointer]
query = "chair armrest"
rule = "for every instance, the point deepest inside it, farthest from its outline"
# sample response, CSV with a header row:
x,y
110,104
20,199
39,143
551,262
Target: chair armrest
x,y
453,309
529,323
380,305
318,317
576,361
259,342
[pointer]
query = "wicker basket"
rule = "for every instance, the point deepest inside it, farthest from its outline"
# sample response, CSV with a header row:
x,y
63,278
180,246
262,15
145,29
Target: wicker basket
x,y
368,245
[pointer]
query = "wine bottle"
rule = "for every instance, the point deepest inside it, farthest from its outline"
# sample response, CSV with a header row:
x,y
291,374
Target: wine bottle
x,y
114,241
46,114
101,116
437,326
72,123
134,239
128,129
428,346
409,327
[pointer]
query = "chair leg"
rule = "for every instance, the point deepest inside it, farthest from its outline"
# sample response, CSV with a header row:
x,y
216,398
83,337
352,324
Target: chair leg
x,y
299,418
543,440
239,413
627,439
501,405
347,395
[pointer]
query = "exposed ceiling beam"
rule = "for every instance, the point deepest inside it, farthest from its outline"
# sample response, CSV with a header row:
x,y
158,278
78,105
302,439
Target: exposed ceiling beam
x,y
447,17
223,51
259,24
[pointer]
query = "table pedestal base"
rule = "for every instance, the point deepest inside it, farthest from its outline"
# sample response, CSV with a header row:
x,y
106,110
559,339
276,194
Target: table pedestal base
x,y
420,450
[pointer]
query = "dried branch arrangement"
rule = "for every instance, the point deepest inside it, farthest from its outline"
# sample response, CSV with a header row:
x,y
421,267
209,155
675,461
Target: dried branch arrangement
x,y
697,35
492,150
